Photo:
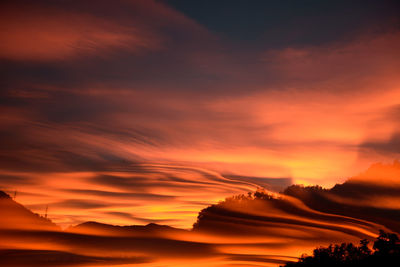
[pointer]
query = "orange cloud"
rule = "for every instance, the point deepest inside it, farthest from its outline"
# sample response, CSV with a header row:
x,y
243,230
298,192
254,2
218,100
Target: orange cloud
x,y
144,84
35,31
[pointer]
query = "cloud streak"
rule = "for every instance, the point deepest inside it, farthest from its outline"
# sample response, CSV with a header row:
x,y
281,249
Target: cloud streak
x,y
107,96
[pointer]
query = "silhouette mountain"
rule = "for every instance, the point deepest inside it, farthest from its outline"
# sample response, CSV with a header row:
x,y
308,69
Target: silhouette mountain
x,y
16,216
151,229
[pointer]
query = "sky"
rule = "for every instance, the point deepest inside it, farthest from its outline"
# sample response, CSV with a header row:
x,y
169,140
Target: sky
x,y
133,112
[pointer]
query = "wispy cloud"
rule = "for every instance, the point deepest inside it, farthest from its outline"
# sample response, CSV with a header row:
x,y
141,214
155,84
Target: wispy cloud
x,y
102,90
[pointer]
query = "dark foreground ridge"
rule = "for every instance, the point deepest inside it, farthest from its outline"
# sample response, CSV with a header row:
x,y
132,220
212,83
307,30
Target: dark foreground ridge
x,y
385,252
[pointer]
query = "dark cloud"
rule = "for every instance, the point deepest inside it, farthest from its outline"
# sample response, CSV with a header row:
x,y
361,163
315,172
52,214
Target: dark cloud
x,y
364,190
227,219
254,258
15,180
124,195
79,204
70,204
50,159
391,146
39,258
131,183
180,39
348,199
168,177
189,58
141,220
145,183
273,184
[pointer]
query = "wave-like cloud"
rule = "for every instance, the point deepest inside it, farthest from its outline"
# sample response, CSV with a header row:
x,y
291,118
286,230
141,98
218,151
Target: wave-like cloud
x,y
259,228
100,103
142,194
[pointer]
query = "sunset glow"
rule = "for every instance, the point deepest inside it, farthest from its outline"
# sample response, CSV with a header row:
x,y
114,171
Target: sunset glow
x,y
134,112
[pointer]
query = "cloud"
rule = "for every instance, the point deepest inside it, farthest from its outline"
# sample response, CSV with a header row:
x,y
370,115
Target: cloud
x,y
61,31
240,229
391,146
273,184
15,180
52,38
82,43
78,204
39,257
337,66
111,194
134,113
131,194
131,217
107,89
380,174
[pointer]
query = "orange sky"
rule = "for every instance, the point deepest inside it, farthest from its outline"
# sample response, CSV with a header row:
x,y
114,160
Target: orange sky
x,y
139,113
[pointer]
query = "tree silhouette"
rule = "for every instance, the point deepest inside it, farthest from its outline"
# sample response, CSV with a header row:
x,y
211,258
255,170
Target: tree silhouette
x,y
386,252
387,244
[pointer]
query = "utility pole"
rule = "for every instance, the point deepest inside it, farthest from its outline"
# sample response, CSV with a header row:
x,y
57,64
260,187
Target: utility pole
x,y
45,215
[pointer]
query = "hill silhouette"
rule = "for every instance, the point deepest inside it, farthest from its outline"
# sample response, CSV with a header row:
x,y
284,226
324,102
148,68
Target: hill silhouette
x,y
16,216
151,229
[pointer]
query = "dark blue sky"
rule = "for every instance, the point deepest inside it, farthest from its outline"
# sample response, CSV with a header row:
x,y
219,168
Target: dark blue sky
x,y
289,22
